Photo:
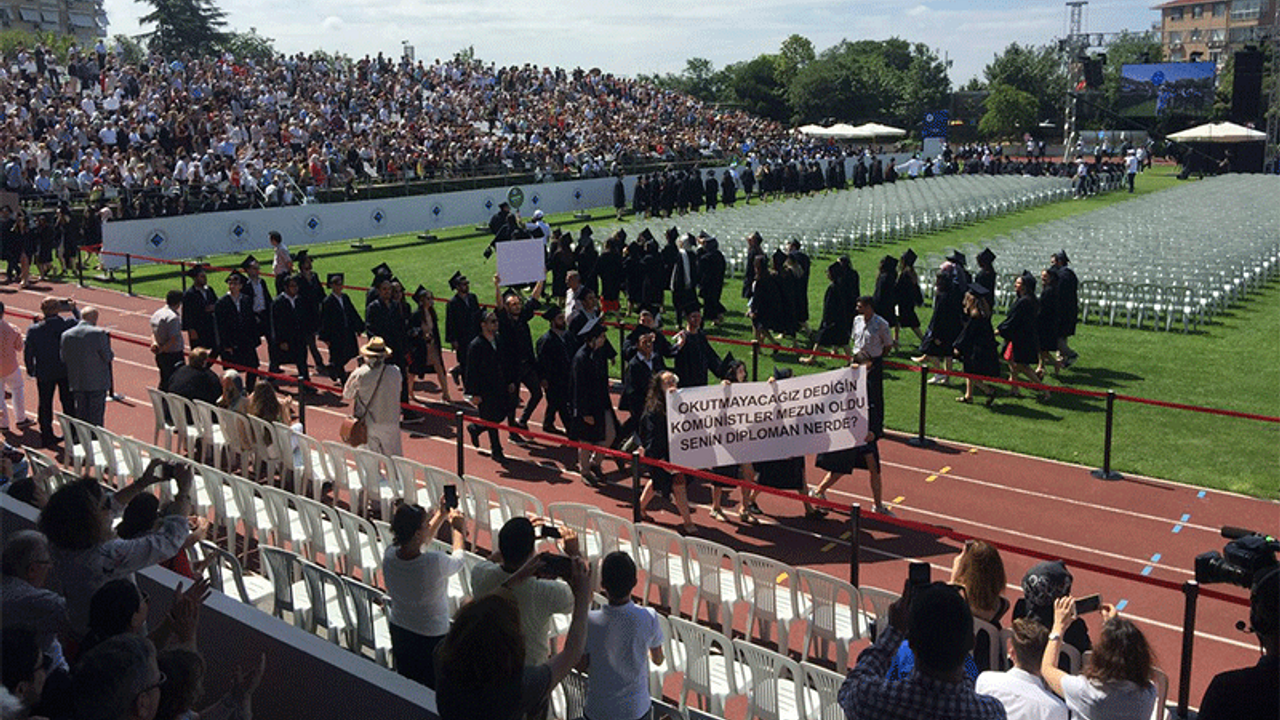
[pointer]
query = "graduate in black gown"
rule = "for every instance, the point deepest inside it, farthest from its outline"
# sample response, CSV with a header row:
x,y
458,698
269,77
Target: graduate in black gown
x,y
609,270
593,421
907,295
197,312
800,301
986,276
975,345
236,322
884,296
837,316
755,248
784,473
487,385
461,322
653,436
290,339
1068,306
694,358
424,352
339,326
944,326
555,360
1022,344
1047,321
711,270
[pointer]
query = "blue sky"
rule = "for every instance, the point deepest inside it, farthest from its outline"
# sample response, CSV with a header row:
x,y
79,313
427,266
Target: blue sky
x,y
652,35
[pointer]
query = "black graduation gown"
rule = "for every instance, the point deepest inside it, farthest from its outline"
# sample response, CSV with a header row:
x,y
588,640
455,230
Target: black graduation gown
x,y
1047,321
555,360
633,271
198,314
635,385
749,276
694,360
462,324
515,341
711,269
484,379
945,325
653,438
419,357
619,195
590,395
712,193
986,278
884,297
907,298
655,285
339,326
1068,301
837,318
310,295
1019,328
976,345
770,302
728,190
390,323
290,331
238,329
609,270
560,262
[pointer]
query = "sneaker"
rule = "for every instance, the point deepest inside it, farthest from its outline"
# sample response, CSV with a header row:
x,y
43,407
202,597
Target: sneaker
x,y
28,422
883,510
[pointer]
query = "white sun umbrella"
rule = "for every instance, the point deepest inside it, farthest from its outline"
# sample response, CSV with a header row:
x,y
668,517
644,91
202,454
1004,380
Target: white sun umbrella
x,y
876,130
1223,132
814,130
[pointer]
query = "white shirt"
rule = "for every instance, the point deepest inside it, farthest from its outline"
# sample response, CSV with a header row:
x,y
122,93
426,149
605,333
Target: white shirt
x,y
1114,701
537,599
872,337
618,641
1023,695
419,590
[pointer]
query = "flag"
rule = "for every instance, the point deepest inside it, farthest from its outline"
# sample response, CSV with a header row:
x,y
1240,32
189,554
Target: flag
x,y
935,124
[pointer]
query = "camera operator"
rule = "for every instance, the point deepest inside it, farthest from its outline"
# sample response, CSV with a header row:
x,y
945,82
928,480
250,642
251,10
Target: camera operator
x,y
1253,692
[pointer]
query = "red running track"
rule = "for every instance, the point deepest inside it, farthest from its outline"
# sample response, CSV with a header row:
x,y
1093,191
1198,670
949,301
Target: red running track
x,y
1142,526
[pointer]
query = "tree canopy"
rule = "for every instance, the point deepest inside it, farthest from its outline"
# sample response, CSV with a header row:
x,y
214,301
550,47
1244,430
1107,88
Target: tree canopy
x,y
184,26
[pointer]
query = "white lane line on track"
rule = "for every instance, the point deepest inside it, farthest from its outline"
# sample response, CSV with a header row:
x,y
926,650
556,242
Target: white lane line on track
x,y
1047,496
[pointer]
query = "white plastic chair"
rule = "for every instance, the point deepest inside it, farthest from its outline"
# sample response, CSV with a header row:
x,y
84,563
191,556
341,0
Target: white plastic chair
x,y
211,442
768,600
284,570
371,632
116,469
821,693
251,589
577,517
1161,681
316,466
774,683
330,606
996,657
711,569
164,428
324,536
288,525
660,553
378,482
517,503
879,600
707,660
480,503
183,412
417,483
833,613
237,441
268,456
360,546
251,504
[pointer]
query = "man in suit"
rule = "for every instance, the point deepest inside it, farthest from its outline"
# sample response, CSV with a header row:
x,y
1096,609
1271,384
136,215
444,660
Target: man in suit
x,y
593,419
197,311
238,327
516,343
486,383
43,358
461,322
554,364
86,350
339,326
290,339
640,369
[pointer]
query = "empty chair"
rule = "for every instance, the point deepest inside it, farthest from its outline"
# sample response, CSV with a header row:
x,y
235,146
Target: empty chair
x,y
518,503
821,692
183,413
360,546
712,570
707,662
767,598
832,610
237,442
330,607
211,442
774,683
250,589
251,504
284,569
378,484
419,482
615,533
879,600
164,430
371,633
316,471
480,505
576,516
324,538
268,456
660,554
289,526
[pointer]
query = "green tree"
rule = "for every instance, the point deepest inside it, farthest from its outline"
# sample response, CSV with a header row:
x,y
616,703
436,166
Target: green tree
x,y
130,50
699,78
1010,112
796,52
892,81
12,40
1037,71
754,86
183,26
250,45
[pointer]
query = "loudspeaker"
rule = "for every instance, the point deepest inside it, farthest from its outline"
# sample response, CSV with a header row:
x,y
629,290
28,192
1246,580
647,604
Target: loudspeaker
x,y
1246,89
1093,72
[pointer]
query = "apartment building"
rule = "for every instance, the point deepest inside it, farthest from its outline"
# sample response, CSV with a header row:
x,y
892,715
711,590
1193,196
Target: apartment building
x,y
85,19
1210,31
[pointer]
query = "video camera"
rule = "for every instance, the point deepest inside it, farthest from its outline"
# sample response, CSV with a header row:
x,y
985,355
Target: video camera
x,y
1241,561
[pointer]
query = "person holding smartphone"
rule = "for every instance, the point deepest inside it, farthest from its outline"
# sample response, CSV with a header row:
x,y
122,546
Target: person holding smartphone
x,y
1116,680
418,583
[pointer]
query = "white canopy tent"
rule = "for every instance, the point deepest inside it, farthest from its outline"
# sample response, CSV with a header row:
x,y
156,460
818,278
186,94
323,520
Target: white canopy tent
x,y
876,130
1223,132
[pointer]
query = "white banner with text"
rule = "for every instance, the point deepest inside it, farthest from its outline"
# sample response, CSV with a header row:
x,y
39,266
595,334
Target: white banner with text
x,y
720,425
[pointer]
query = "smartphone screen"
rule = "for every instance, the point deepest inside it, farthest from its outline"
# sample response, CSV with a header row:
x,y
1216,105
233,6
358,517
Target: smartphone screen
x,y
450,497
1088,604
550,531
559,566
919,574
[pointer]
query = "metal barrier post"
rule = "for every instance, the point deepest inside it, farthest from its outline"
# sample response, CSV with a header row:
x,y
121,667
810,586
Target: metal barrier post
x,y
460,429
302,405
1191,590
636,510
622,341
183,267
128,273
755,361
855,541
920,440
80,266
1105,472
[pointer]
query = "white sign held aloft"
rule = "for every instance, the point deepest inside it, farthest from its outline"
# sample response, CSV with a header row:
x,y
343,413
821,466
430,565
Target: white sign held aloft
x,y
738,423
522,261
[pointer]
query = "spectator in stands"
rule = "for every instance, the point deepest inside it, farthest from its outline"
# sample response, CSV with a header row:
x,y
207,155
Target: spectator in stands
x,y
375,389
653,437
621,639
11,374
121,607
77,521
194,380
1042,585
980,571
22,672
483,667
233,397
183,671
86,350
1252,693
118,680
418,584
43,358
537,598
26,602
1116,681
1021,689
936,623
140,517
166,337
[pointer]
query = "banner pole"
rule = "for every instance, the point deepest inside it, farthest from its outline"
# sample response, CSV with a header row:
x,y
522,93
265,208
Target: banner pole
x,y
1191,590
182,266
128,272
920,440
755,360
636,510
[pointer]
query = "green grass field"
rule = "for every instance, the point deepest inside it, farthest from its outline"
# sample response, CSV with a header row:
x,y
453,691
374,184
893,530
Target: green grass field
x,y
1226,365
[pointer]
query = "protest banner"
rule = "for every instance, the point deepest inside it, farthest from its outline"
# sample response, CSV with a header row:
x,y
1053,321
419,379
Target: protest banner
x,y
752,422
521,261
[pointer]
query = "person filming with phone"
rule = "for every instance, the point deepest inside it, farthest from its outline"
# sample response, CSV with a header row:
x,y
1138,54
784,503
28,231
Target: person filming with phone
x,y
1116,680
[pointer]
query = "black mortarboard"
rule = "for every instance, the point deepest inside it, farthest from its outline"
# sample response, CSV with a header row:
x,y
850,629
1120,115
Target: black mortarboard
x,y
726,365
457,280
335,278
957,257
977,290
779,257
672,233
509,293
1028,282
835,269
593,328
649,309
586,230
551,312
197,269
382,270
645,234
691,307
703,234
237,275
249,260
1061,256
909,257
418,291
288,278
986,257
300,255
782,373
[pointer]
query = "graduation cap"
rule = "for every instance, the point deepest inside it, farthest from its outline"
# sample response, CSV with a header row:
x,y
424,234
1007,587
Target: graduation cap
x,y
289,278
835,269
649,309
198,269
552,312
236,275
727,365
909,257
419,291
338,278
704,234
457,280
986,257
585,231
1061,257
691,307
782,373
1028,282
382,270
646,234
779,257
509,292
248,262
977,290
672,233
300,255
957,257
592,329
